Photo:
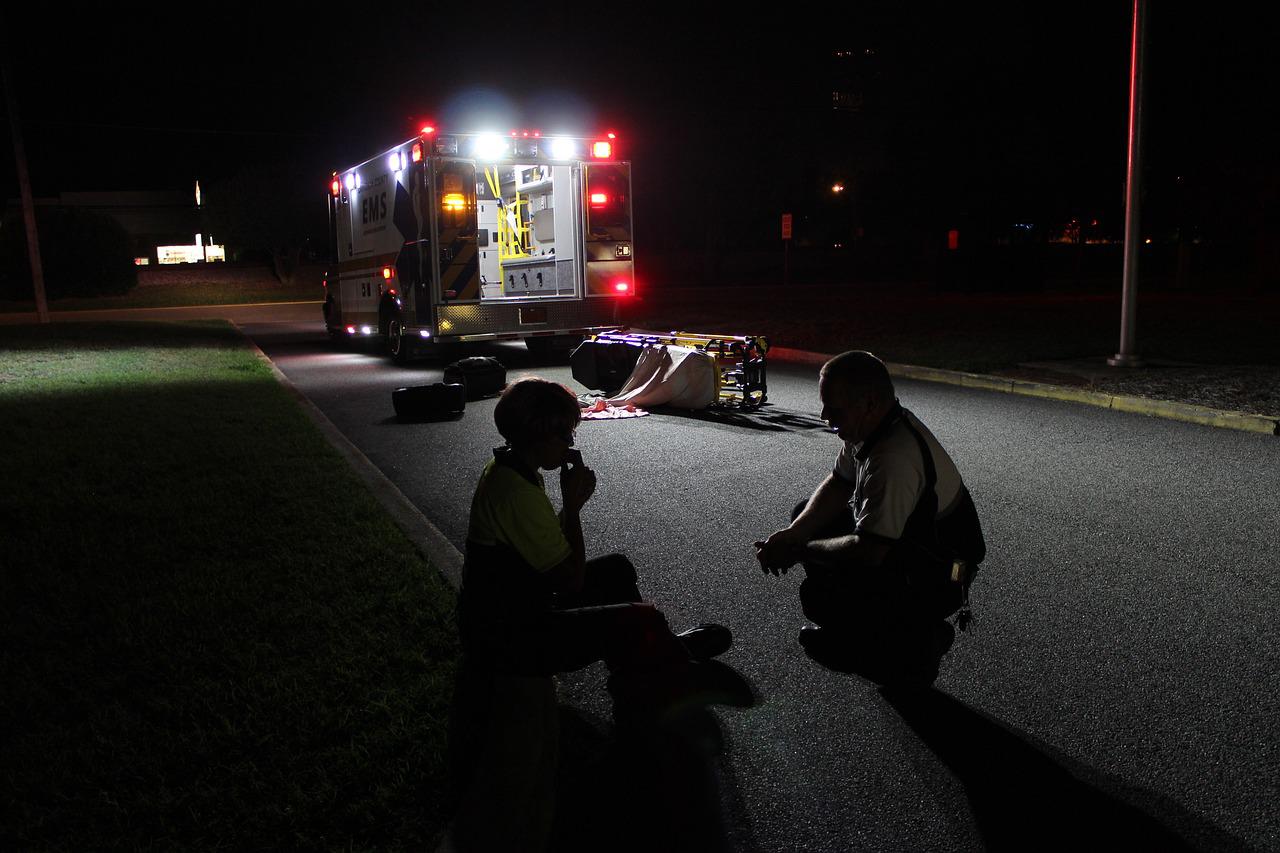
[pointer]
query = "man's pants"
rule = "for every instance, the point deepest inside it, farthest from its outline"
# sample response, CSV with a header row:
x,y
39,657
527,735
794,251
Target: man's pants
x,y
875,603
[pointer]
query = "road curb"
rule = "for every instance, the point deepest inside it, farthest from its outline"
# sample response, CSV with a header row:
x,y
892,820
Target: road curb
x,y
1187,412
425,536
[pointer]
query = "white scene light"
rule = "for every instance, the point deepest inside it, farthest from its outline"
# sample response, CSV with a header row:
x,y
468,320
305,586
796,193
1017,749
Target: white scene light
x,y
490,146
563,149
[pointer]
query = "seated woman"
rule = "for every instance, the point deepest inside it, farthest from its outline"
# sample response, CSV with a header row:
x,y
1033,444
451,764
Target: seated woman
x,y
531,602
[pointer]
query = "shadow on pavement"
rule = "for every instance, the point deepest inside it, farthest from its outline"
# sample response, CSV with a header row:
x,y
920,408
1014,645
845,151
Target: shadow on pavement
x,y
667,787
1023,796
767,418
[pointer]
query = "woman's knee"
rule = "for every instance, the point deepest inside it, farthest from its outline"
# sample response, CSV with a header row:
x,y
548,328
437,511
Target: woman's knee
x,y
614,567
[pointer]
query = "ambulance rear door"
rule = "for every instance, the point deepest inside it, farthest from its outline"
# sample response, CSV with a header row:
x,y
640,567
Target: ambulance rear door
x,y
608,237
453,193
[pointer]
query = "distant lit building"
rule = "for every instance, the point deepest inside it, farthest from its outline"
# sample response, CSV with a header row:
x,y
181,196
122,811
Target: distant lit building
x,y
156,222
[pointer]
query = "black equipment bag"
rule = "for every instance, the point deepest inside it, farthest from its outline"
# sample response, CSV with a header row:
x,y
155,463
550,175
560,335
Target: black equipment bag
x,y
479,375
604,365
428,402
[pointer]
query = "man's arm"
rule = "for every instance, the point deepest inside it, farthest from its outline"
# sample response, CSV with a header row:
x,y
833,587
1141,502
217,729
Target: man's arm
x,y
786,547
794,544
852,551
825,505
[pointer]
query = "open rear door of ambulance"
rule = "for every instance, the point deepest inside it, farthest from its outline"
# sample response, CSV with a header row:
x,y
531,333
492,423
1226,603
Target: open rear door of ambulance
x,y
608,237
453,184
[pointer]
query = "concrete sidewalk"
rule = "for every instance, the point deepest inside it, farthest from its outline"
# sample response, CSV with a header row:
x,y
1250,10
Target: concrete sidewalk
x,y
1229,396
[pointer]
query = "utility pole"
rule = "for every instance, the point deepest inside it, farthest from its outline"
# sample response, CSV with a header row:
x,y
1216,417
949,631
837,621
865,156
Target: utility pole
x,y
1128,355
24,184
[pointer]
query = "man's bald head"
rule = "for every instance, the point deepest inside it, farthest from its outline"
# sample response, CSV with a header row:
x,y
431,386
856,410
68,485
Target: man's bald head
x,y
860,374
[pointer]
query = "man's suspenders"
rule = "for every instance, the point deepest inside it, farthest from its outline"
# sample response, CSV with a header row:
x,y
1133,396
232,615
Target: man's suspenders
x,y
961,571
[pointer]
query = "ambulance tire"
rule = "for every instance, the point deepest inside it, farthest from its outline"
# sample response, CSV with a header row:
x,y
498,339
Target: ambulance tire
x,y
386,315
398,347
550,348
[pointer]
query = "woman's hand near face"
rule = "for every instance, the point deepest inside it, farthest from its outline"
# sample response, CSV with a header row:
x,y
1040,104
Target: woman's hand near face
x,y
577,481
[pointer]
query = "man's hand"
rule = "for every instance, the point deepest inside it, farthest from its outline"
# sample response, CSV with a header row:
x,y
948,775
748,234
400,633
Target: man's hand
x,y
577,482
780,551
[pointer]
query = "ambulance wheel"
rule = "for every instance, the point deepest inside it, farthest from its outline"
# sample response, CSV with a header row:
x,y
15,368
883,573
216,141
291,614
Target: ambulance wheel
x,y
397,346
555,348
538,347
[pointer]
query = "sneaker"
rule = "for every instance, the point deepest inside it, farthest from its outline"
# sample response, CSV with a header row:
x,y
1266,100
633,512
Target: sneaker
x,y
815,639
706,641
828,647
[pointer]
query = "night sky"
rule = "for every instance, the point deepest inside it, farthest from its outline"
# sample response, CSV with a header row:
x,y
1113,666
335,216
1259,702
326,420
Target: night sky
x,y
1017,112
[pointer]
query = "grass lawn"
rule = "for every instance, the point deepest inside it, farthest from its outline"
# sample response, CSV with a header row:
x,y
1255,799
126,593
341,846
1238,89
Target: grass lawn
x,y
175,287
212,635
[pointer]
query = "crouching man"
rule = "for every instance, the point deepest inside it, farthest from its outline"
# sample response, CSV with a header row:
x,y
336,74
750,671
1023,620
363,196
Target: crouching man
x,y
889,539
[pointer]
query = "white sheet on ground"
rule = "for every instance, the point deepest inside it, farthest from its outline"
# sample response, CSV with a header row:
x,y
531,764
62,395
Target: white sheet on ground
x,y
670,375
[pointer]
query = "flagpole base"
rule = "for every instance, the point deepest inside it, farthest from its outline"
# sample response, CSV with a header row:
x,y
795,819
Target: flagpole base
x,y
1122,360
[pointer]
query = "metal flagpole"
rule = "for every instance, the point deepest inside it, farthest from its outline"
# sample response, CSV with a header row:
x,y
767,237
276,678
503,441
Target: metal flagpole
x,y
24,184
1128,355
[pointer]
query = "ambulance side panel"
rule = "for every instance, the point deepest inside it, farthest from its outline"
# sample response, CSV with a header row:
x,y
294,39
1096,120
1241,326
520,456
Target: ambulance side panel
x,y
371,221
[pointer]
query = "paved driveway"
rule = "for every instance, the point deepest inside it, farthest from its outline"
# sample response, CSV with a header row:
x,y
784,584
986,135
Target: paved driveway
x,y
1120,686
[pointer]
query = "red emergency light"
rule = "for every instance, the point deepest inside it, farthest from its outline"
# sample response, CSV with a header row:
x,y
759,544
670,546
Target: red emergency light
x,y
387,273
621,287
599,201
417,152
427,130
602,149
335,186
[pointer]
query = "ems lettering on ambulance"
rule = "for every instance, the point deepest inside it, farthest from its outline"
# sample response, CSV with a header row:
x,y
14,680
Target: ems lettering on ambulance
x,y
373,206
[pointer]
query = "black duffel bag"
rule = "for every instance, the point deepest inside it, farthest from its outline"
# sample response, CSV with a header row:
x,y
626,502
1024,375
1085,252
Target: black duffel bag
x,y
479,375
429,402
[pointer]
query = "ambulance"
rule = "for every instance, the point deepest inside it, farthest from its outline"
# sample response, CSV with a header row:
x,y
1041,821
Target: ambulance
x,y
449,238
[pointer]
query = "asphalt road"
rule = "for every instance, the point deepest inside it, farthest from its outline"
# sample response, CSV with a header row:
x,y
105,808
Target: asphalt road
x,y
1119,687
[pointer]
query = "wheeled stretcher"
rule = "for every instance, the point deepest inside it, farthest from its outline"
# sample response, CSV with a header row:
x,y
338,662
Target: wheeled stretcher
x,y
605,361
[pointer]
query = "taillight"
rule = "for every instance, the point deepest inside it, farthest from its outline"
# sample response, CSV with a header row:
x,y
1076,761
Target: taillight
x,y
417,152
335,186
621,287
599,201
387,273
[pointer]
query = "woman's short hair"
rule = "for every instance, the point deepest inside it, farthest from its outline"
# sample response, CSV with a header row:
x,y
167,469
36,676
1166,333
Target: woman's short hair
x,y
861,373
532,408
